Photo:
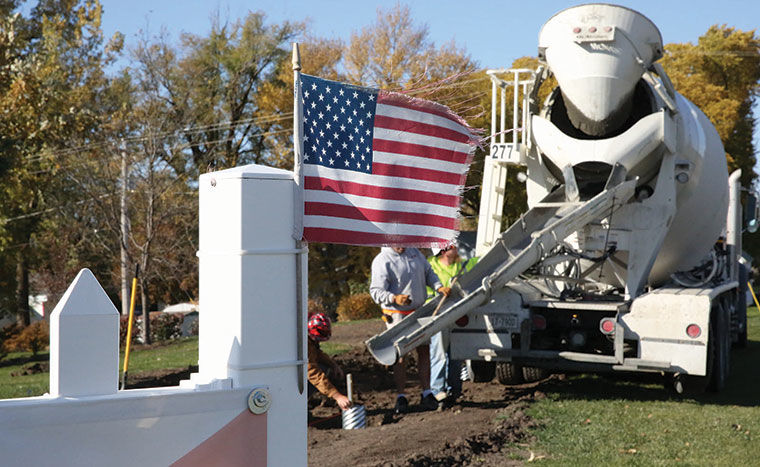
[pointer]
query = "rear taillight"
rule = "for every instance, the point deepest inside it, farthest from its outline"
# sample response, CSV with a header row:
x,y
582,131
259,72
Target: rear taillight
x,y
693,331
607,326
463,321
539,322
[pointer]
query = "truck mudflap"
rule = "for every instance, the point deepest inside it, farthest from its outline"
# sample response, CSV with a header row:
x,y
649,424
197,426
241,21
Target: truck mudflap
x,y
520,247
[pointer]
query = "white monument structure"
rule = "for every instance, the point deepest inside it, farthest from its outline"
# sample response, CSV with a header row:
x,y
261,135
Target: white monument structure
x,y
247,403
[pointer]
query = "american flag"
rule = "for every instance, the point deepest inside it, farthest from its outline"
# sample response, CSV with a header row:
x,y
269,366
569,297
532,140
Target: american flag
x,y
379,167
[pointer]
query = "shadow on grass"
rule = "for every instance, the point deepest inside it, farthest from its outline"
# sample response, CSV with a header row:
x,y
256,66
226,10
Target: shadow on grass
x,y
741,386
18,361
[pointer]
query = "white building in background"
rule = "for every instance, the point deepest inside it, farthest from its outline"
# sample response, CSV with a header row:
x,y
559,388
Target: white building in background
x,y
37,304
190,315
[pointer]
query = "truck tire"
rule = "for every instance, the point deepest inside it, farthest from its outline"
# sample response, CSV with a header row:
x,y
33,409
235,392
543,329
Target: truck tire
x,y
531,373
508,373
482,371
741,308
720,335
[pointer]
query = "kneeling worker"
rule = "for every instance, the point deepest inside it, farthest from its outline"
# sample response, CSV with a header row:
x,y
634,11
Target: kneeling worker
x,y
320,364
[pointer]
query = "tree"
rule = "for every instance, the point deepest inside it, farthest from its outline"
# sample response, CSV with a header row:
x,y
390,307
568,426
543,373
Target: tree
x,y
161,210
212,85
720,75
199,107
384,54
48,96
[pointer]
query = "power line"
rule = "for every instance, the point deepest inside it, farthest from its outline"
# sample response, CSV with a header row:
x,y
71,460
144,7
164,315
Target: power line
x,y
162,135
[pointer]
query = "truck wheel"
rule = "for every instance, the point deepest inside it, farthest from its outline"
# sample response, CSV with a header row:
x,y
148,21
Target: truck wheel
x,y
509,373
481,371
531,373
741,308
720,335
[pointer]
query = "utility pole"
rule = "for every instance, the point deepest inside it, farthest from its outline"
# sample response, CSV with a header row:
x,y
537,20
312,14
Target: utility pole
x,y
124,232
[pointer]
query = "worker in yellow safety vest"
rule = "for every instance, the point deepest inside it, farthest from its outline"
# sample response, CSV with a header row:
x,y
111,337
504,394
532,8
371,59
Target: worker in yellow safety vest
x,y
445,374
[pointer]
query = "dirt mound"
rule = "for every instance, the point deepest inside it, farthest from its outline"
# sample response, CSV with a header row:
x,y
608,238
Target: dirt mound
x,y
494,447
487,426
159,378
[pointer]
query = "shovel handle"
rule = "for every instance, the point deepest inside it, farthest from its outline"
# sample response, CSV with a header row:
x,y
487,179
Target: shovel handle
x,y
440,304
443,299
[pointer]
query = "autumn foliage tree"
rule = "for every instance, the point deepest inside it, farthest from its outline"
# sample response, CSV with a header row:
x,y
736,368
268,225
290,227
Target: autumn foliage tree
x,y
720,74
49,84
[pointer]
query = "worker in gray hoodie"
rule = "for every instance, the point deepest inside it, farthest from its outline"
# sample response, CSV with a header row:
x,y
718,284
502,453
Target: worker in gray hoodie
x,y
399,278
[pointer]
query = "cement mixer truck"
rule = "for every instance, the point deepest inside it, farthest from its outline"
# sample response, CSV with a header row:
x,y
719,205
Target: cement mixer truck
x,y
629,256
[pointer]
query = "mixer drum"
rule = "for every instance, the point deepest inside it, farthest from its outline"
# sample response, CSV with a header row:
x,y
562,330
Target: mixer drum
x,y
603,113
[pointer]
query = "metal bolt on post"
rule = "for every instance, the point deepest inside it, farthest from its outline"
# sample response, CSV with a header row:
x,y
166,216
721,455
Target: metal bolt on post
x,y
259,401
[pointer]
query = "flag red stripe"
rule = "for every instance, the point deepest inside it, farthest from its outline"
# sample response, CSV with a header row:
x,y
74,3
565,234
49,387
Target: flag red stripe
x,y
401,100
371,191
377,215
400,124
419,150
351,237
430,175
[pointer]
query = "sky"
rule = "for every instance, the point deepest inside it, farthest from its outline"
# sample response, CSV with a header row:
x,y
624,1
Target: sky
x,y
494,32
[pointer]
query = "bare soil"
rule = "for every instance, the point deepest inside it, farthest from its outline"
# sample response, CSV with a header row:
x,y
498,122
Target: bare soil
x,y
487,427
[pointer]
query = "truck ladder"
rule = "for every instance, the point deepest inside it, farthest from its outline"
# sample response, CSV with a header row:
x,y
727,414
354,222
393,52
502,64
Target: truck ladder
x,y
518,248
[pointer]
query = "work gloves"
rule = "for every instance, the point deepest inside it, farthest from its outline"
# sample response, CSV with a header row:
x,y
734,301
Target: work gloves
x,y
401,299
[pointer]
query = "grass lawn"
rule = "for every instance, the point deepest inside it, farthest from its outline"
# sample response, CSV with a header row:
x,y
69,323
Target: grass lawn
x,y
593,420
336,348
26,385
333,348
180,354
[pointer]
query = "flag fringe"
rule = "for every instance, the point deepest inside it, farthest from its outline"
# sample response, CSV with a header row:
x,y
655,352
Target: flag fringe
x,y
475,141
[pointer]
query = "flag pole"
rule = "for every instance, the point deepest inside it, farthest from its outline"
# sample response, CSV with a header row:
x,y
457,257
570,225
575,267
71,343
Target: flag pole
x,y
297,143
298,200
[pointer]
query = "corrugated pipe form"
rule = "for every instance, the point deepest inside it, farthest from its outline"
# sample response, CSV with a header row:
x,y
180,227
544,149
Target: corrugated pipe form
x,y
355,417
464,373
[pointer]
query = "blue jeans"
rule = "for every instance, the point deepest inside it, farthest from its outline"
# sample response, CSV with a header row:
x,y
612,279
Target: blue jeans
x,y
445,374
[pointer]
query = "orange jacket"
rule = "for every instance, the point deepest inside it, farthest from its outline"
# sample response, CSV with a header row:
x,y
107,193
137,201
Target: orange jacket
x,y
316,375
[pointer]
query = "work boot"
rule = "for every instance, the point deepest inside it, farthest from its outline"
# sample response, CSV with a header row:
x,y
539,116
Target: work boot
x,y
429,402
402,405
441,399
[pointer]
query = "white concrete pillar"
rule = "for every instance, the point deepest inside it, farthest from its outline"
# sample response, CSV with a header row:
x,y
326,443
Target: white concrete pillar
x,y
84,341
251,327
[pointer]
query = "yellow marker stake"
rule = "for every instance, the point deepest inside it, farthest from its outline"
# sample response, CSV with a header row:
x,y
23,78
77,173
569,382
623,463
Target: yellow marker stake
x,y
129,328
753,295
